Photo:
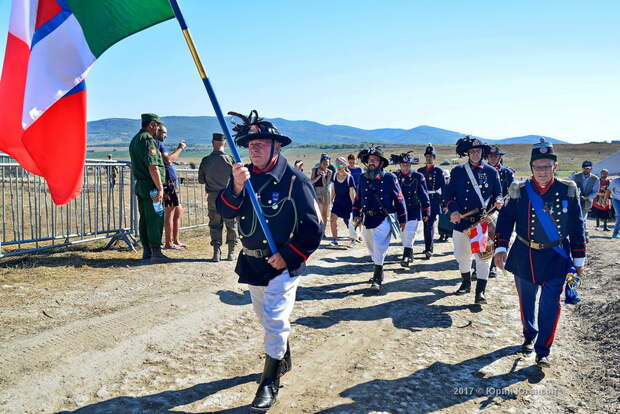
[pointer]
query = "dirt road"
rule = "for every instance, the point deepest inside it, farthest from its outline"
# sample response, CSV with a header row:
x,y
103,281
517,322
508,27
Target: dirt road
x,y
113,336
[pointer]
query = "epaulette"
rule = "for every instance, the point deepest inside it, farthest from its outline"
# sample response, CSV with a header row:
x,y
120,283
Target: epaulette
x,y
572,187
514,191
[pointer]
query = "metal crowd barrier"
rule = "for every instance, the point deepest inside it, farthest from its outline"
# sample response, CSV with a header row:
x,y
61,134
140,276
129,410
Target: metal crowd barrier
x,y
106,208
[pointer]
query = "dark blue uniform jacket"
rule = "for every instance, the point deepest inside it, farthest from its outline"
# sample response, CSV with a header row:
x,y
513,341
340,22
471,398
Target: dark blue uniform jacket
x,y
460,194
436,186
288,201
560,199
376,194
506,177
413,187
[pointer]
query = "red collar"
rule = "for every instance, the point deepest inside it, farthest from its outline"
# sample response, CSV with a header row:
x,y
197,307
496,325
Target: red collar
x,y
539,188
268,168
407,174
475,166
428,167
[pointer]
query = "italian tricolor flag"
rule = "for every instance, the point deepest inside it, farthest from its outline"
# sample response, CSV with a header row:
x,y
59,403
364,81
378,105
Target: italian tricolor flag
x,y
51,46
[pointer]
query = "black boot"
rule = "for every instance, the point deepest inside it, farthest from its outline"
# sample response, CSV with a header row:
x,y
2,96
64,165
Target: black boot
x,y
492,271
481,285
146,253
267,392
157,256
377,278
407,257
465,284
287,362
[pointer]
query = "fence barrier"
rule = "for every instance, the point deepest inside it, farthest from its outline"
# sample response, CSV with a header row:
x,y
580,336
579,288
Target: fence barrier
x,y
106,208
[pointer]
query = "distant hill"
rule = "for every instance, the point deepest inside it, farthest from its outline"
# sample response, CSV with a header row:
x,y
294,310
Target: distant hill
x,y
198,130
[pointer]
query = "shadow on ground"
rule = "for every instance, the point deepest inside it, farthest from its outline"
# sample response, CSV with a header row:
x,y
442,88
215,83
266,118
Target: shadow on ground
x,y
440,386
165,401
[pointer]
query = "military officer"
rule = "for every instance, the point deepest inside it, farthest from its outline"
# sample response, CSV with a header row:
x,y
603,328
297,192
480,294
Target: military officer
x,y
546,215
380,206
473,187
436,184
287,201
147,167
413,186
214,172
506,177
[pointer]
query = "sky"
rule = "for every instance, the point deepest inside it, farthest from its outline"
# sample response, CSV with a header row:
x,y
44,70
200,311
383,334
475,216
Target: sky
x,y
494,69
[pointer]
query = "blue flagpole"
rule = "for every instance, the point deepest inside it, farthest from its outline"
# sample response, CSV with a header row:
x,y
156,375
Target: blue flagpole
x,y
220,117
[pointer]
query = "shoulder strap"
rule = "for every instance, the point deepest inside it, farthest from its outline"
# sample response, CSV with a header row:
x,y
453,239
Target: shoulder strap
x,y
545,219
475,184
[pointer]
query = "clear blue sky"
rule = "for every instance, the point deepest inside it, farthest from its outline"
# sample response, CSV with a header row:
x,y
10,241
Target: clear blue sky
x,y
491,68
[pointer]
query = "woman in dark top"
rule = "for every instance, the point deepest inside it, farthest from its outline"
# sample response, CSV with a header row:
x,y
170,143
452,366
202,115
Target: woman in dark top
x,y
342,197
321,177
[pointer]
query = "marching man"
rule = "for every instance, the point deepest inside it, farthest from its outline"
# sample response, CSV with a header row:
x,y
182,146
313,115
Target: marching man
x,y
436,186
473,186
506,177
288,203
380,206
416,199
550,229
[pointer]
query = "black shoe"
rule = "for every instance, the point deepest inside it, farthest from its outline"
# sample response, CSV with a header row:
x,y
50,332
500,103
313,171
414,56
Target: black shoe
x,y
493,271
407,257
377,278
528,346
543,361
481,285
465,284
427,254
267,392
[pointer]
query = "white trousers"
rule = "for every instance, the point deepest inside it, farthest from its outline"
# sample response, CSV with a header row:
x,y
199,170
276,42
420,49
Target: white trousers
x,y
273,305
408,235
353,232
462,253
378,240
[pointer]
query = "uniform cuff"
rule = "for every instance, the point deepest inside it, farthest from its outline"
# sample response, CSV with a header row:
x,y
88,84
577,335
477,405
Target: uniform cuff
x,y
578,262
500,250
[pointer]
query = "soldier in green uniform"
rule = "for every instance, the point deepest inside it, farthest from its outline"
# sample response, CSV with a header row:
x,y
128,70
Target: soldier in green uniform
x,y
147,166
214,172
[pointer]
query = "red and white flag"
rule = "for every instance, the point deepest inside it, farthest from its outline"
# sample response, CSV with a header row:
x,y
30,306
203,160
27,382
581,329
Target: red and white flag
x,y
51,46
479,237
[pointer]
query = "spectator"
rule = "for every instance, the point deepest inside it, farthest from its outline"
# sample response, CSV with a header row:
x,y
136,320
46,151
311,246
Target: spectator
x,y
321,177
214,172
299,165
112,173
601,205
172,206
342,198
588,186
354,170
614,189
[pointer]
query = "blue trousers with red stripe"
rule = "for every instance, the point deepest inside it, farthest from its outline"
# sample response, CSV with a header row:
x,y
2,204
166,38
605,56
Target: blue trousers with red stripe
x,y
548,311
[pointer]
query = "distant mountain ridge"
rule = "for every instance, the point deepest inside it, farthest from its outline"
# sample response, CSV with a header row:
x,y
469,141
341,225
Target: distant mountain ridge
x,y
198,130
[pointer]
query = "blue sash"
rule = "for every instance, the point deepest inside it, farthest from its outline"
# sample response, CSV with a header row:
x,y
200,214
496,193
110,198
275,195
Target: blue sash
x,y
571,294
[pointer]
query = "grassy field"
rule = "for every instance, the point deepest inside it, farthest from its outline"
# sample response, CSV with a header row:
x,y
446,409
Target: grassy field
x,y
517,156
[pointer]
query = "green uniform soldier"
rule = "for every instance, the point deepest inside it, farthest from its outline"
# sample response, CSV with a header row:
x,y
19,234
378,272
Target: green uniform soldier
x,y
214,172
147,166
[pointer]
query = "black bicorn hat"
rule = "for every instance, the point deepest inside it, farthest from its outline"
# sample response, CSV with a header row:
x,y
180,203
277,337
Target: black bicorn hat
x,y
372,150
404,157
430,150
254,127
466,143
543,149
494,149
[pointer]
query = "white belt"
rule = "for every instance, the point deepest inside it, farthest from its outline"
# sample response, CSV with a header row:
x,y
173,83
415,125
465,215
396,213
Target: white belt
x,y
435,191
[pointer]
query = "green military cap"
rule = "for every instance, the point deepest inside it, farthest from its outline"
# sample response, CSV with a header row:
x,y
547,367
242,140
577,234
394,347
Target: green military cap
x,y
151,117
218,137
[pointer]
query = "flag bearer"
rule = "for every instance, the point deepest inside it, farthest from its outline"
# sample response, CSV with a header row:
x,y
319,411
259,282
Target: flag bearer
x,y
288,203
